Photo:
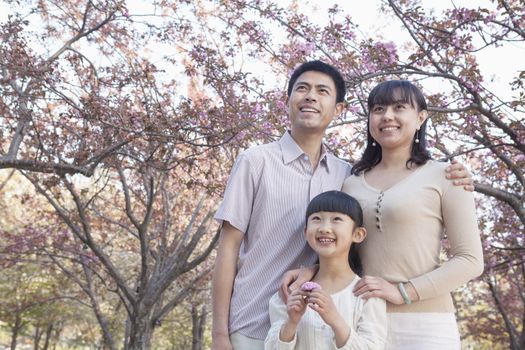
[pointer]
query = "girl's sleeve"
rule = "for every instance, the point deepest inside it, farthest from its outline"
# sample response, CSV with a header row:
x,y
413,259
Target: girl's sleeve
x,y
278,316
370,326
461,227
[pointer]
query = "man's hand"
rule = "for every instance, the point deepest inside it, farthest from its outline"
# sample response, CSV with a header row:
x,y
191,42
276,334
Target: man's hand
x,y
460,175
221,342
293,279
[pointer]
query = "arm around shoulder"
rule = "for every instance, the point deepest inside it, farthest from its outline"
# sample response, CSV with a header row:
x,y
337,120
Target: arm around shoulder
x,y
466,254
461,226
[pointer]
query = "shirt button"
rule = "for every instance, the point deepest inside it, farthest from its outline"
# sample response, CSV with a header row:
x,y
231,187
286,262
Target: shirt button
x,y
305,157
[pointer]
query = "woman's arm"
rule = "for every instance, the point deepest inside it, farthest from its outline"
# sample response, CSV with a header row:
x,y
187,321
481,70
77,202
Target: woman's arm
x,y
466,261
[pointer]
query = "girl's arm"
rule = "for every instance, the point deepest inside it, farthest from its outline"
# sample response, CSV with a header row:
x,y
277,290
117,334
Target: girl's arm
x,y
279,320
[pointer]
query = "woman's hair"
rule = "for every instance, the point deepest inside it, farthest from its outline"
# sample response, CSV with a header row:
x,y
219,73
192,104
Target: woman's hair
x,y
388,93
340,202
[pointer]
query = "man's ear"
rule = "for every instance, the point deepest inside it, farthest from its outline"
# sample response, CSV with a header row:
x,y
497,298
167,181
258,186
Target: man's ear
x,y
339,108
359,234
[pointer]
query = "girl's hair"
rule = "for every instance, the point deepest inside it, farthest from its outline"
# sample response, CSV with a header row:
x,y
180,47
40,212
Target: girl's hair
x,y
340,202
388,93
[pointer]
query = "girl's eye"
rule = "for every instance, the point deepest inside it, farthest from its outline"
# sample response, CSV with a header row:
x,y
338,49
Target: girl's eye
x,y
377,109
300,87
400,106
338,218
314,218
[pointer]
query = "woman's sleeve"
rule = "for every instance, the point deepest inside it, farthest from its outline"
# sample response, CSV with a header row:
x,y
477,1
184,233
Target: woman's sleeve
x,y
278,316
461,227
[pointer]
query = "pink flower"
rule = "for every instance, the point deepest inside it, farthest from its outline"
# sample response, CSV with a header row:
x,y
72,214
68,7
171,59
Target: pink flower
x,y
309,286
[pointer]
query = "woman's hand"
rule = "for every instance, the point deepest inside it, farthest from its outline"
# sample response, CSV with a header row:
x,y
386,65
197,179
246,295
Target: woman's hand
x,y
370,287
293,280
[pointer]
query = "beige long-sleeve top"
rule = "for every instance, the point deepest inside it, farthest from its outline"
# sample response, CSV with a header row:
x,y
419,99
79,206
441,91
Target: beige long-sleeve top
x,y
406,225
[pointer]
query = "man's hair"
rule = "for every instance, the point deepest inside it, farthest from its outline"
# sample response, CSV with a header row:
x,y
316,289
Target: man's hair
x,y
319,66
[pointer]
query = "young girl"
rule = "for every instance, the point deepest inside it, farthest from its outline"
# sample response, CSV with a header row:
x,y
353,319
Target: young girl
x,y
330,316
408,208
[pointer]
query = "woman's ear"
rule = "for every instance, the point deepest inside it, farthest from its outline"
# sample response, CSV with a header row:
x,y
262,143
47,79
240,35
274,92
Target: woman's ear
x,y
422,116
359,234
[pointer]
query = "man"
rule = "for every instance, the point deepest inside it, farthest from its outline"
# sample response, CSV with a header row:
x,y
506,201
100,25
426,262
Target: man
x,y
263,209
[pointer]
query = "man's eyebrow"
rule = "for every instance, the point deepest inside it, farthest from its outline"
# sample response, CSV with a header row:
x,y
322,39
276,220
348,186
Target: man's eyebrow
x,y
316,85
323,86
302,83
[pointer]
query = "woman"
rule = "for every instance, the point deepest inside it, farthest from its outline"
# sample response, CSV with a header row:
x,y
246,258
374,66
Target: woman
x,y
408,208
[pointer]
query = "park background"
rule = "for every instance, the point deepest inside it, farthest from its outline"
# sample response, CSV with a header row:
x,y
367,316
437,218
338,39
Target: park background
x,y
120,120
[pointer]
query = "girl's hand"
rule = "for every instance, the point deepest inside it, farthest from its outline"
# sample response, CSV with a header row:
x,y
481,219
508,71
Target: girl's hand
x,y
321,302
296,306
370,287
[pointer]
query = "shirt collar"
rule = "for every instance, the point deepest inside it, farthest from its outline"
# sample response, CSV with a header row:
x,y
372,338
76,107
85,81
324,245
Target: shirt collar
x,y
292,151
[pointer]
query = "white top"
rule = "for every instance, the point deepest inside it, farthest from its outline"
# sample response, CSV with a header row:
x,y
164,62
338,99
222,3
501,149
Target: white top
x,y
366,318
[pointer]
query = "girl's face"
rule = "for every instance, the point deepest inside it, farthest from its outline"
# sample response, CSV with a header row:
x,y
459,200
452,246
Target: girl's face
x,y
393,126
331,234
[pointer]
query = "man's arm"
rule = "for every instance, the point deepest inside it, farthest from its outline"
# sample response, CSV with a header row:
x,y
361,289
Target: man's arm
x,y
222,284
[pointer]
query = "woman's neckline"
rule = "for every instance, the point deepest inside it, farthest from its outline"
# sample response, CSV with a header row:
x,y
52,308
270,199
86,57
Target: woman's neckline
x,y
375,189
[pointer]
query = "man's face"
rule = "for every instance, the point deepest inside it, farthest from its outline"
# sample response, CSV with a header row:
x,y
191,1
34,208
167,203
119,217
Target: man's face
x,y
311,105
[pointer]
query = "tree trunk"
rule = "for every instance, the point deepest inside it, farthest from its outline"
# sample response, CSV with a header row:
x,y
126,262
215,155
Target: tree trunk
x,y
49,330
140,333
198,321
15,330
492,283
36,338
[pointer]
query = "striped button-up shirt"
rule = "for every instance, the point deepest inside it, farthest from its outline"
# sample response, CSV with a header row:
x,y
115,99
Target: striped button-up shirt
x,y
266,198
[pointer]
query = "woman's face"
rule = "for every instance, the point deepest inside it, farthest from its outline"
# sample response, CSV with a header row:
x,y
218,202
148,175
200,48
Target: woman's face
x,y
393,126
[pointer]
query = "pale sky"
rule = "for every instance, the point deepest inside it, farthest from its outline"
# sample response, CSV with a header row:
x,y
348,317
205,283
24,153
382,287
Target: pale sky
x,y
498,65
